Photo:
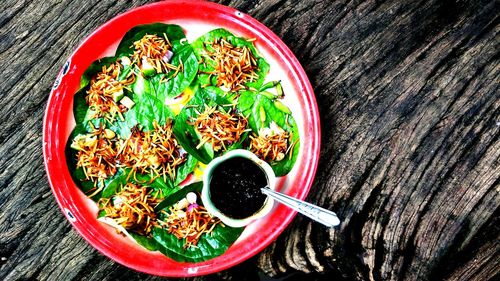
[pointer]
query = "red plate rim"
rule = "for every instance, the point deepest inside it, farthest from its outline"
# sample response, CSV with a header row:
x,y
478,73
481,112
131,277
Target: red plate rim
x,y
63,187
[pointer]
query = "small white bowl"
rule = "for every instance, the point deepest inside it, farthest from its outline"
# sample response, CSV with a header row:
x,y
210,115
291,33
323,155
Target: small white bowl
x,y
207,176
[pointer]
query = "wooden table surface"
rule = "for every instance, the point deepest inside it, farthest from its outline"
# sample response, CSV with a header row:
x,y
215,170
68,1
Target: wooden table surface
x,y
410,158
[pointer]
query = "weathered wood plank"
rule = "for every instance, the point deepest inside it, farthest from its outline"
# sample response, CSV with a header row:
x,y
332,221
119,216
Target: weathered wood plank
x,y
410,109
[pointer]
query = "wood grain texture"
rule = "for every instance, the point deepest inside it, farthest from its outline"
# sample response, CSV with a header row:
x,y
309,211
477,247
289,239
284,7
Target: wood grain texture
x,y
410,159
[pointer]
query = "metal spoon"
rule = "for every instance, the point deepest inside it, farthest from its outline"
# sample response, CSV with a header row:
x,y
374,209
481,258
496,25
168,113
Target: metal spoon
x,y
314,212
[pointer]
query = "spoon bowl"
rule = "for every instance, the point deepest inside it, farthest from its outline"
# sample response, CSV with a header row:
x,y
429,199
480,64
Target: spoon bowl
x,y
207,178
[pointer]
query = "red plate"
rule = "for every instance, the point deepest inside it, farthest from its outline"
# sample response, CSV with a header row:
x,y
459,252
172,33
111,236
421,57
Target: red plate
x,y
196,18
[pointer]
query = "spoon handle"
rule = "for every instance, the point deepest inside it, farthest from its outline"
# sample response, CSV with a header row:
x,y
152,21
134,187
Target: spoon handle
x,y
314,212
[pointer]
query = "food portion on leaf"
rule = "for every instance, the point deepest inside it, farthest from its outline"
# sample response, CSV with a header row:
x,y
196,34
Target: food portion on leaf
x,y
275,136
160,53
96,153
159,111
229,62
188,233
154,152
233,66
270,144
188,220
153,54
219,127
210,124
132,207
105,96
173,32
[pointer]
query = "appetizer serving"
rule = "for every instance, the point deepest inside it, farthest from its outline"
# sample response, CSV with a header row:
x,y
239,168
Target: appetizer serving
x,y
150,118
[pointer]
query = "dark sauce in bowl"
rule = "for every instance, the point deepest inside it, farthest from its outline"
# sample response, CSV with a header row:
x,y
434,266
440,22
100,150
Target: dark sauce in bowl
x,y
235,187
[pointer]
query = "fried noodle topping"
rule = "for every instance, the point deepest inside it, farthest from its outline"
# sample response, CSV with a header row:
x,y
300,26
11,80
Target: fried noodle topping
x,y
234,66
102,87
190,224
271,144
132,208
155,152
218,128
96,155
155,51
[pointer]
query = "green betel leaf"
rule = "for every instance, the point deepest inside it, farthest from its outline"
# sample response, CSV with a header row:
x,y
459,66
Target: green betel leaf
x,y
146,111
123,176
147,242
185,169
80,107
186,134
170,85
178,195
113,184
202,45
261,111
157,184
208,247
160,85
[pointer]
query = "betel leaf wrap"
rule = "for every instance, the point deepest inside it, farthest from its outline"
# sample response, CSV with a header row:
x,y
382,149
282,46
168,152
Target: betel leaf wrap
x,y
161,85
209,246
80,108
250,104
187,135
161,188
201,44
147,109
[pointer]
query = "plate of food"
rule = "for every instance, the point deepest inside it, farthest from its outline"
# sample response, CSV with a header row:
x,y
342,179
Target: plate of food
x,y
146,103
